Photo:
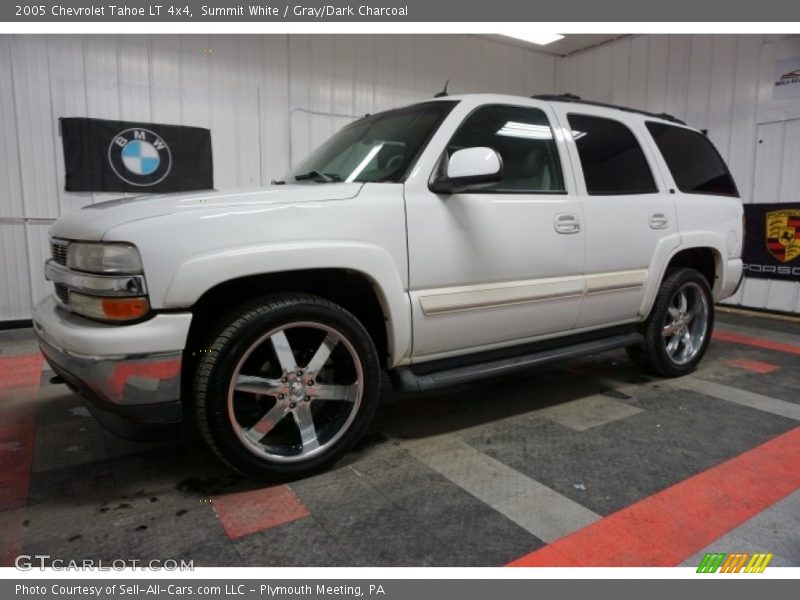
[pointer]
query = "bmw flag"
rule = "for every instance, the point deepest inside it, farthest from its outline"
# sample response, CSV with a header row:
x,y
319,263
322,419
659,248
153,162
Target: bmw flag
x,y
122,156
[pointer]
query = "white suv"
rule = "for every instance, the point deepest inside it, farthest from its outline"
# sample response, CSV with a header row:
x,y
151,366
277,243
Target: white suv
x,y
446,241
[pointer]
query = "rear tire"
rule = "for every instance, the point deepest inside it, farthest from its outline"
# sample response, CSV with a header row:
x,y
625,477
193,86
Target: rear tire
x,y
286,386
678,330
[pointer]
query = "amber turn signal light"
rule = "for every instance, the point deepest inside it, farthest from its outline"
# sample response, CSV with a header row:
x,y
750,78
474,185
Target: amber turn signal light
x,y
125,309
109,308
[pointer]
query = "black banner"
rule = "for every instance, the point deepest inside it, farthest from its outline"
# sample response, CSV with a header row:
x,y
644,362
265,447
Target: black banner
x,y
772,241
122,156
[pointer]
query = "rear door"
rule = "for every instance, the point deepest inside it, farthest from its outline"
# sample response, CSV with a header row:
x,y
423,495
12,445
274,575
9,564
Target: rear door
x,y
630,218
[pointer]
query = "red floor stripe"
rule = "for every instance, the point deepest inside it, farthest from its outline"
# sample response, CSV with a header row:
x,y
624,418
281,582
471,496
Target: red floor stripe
x,y
19,387
756,366
727,336
248,512
666,528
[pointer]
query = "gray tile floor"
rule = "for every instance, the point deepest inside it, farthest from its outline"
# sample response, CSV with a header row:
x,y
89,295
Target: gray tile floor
x,y
473,476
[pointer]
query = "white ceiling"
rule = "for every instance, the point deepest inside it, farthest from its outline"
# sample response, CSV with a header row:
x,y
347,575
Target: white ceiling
x,y
571,43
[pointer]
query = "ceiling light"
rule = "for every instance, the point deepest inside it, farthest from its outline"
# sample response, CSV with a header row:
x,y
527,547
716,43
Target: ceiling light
x,y
540,39
525,130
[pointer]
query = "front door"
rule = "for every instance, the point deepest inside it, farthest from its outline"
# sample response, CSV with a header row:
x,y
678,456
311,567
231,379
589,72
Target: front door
x,y
499,264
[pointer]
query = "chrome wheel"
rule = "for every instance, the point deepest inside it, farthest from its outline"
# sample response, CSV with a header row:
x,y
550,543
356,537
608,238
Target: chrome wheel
x,y
295,392
686,323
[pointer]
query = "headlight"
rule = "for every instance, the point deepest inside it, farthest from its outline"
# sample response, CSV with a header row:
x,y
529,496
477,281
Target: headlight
x,y
104,258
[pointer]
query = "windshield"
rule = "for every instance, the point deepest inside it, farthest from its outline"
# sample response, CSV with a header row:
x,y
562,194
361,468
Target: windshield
x,y
377,148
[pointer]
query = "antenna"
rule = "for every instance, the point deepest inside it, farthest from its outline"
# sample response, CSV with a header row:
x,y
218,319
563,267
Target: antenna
x,y
444,91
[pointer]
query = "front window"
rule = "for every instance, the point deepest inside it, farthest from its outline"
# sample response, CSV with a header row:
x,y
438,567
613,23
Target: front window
x,y
377,148
523,139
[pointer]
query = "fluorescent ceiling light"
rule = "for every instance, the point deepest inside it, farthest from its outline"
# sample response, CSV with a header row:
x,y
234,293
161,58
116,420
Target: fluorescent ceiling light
x,y
541,39
526,130
363,164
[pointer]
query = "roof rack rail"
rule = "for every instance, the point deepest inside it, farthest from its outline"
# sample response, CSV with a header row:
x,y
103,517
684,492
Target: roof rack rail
x,y
579,100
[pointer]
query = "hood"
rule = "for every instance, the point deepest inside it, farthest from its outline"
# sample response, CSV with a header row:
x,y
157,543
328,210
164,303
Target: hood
x,y
92,221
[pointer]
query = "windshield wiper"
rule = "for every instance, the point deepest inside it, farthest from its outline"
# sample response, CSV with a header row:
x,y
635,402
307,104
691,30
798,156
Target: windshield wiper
x,y
325,177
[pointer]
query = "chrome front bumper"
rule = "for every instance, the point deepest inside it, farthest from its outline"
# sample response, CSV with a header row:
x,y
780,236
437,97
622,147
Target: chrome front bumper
x,y
120,380
108,364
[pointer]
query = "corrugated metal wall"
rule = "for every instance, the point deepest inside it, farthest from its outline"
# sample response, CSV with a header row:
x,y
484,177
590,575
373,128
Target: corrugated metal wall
x,y
722,83
270,99
267,99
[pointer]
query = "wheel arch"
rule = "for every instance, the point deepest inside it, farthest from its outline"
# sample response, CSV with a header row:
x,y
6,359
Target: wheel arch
x,y
342,267
352,290
705,256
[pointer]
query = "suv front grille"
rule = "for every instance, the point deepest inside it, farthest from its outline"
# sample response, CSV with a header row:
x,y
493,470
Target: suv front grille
x,y
58,250
62,292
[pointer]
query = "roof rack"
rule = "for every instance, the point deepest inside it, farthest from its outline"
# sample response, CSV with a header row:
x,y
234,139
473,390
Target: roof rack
x,y
579,100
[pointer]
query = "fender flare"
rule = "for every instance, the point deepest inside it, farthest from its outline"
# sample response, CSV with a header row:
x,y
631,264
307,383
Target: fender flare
x,y
198,274
665,252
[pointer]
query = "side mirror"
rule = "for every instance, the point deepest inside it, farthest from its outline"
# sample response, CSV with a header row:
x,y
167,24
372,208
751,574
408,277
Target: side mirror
x,y
469,167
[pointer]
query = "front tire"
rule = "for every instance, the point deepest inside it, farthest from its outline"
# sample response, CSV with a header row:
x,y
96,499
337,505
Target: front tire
x,y
287,385
678,330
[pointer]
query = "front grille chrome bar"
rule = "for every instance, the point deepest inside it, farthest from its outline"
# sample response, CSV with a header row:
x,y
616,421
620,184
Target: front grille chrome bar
x,y
95,285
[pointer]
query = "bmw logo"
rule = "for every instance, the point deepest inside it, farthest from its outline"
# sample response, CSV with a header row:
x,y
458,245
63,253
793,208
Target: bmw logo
x,y
139,157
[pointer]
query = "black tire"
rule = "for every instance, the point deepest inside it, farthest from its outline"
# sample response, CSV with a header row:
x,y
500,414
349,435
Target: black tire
x,y
654,355
233,345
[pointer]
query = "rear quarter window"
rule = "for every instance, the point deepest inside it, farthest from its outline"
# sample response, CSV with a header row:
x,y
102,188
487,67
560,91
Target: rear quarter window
x,y
694,162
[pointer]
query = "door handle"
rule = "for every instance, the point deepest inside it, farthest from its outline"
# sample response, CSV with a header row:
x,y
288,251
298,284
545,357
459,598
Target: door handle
x,y
658,220
567,223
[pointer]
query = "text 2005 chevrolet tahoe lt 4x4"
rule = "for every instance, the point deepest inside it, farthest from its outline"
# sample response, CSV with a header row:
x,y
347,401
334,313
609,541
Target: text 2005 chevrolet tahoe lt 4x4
x,y
458,238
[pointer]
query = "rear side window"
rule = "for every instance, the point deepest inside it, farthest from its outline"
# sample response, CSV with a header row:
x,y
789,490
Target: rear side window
x,y
611,158
695,164
523,139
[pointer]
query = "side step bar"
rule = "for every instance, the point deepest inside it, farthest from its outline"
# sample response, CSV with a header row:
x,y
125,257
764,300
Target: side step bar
x,y
405,379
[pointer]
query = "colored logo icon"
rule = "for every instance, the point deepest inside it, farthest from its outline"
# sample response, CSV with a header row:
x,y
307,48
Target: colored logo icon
x,y
139,157
741,562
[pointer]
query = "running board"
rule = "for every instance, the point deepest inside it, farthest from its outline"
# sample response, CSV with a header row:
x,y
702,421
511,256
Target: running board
x,y
405,379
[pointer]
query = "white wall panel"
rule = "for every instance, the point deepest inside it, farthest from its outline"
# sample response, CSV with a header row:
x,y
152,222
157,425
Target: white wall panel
x,y
720,100
67,99
106,83
38,250
741,155
621,72
699,82
604,73
35,126
790,168
717,82
266,99
134,80
249,79
637,85
165,78
15,293
274,96
657,72
10,185
677,83
769,163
